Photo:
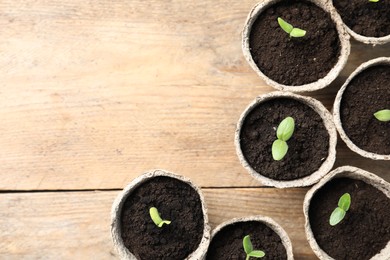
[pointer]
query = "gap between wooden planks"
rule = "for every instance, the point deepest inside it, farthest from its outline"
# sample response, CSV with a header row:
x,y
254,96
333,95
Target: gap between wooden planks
x,y
76,225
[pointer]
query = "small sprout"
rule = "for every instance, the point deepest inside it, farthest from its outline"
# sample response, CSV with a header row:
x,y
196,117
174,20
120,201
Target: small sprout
x,y
283,133
248,248
339,213
155,216
374,1
383,115
288,28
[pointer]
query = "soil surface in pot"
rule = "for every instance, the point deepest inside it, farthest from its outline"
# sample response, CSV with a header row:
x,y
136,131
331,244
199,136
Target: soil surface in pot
x,y
176,201
366,94
364,17
294,61
363,232
227,244
308,146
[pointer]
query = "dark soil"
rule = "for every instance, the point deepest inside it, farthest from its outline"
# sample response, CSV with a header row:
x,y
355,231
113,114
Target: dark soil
x,y
366,94
176,201
227,244
308,146
295,61
363,232
364,17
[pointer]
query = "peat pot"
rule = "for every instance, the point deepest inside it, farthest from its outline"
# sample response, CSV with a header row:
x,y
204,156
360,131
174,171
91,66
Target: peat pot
x,y
177,199
364,231
311,149
294,64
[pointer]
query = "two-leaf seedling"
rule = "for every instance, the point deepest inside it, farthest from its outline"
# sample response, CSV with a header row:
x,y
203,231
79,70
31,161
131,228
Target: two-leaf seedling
x,y
291,30
155,216
383,115
248,248
283,133
339,213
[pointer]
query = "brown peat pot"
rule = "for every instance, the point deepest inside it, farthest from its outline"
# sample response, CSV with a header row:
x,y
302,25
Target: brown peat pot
x,y
364,233
301,64
177,199
312,147
365,92
365,21
265,234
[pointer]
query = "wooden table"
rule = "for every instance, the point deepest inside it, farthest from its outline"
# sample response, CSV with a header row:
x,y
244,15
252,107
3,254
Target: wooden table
x,y
94,93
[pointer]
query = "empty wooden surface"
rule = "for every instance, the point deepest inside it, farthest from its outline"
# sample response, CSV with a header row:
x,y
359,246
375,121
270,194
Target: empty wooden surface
x,y
94,93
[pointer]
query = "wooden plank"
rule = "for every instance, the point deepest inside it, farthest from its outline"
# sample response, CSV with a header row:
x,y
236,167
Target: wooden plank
x,y
75,225
72,225
95,93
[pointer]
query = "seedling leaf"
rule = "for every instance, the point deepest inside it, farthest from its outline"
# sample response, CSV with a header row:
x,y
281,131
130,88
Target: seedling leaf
x,y
291,30
345,202
247,244
155,216
296,32
285,129
283,133
279,149
248,248
257,253
383,115
374,1
337,215
285,25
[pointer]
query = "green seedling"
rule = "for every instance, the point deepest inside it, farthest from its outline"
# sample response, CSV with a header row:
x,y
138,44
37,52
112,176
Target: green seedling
x,y
374,1
291,30
283,133
155,216
339,213
383,115
248,248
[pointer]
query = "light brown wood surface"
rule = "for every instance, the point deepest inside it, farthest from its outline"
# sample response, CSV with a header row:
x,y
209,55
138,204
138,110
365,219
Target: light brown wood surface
x,y
74,225
94,93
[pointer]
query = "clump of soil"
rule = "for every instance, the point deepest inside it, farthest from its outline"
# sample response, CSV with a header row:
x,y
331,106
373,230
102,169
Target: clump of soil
x,y
295,61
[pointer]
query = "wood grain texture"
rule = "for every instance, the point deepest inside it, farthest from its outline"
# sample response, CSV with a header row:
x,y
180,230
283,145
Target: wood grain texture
x,y
94,93
76,225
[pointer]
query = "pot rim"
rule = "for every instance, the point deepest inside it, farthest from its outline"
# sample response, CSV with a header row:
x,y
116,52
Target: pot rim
x,y
345,47
328,123
117,205
349,172
337,104
368,40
